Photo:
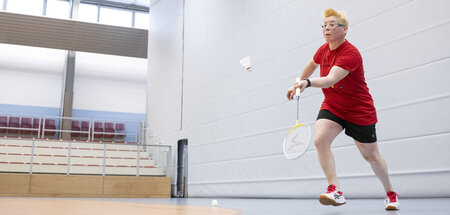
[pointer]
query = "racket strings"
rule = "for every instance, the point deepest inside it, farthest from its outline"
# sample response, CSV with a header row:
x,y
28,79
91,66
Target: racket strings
x,y
296,142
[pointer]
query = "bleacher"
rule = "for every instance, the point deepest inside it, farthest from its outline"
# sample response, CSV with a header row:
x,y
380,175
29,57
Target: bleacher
x,y
34,145
16,155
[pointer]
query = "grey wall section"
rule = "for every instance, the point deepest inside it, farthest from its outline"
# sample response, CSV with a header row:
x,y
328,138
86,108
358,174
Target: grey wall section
x,y
235,121
20,29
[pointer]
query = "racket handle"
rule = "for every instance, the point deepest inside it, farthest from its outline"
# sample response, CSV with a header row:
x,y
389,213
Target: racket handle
x,y
297,91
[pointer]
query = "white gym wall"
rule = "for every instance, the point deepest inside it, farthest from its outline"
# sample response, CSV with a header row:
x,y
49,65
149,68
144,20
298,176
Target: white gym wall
x,y
235,121
110,83
31,76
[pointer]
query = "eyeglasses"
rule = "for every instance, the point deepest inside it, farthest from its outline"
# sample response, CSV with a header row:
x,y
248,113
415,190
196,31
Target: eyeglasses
x,y
331,26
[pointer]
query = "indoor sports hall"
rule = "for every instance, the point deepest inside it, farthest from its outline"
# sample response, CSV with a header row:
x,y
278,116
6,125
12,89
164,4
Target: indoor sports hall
x,y
224,107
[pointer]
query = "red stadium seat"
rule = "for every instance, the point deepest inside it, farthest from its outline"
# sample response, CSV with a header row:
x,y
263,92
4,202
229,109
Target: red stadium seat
x,y
4,124
37,125
49,124
25,122
75,127
120,132
109,128
98,127
85,128
14,122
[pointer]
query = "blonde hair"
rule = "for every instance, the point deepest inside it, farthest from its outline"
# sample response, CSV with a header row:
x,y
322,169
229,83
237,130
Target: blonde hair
x,y
340,15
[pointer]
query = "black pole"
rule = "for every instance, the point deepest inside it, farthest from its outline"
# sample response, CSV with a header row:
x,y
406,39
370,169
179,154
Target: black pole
x,y
181,165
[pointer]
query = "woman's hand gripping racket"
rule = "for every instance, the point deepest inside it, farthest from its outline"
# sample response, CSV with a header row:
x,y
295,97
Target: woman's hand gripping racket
x,y
297,139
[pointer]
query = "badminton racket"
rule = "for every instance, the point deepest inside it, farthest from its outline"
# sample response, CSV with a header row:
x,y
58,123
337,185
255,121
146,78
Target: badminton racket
x,y
297,139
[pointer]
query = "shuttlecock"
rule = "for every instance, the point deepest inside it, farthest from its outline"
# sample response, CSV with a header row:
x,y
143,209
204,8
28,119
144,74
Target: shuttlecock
x,y
247,63
214,203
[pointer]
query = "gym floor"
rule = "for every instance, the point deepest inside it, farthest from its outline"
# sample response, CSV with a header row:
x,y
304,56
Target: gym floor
x,y
197,206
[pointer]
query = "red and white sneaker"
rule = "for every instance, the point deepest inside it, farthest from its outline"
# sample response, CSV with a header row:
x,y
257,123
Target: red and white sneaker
x,y
391,201
333,196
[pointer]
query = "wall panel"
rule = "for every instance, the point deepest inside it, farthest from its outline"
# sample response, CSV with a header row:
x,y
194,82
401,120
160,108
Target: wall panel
x,y
235,121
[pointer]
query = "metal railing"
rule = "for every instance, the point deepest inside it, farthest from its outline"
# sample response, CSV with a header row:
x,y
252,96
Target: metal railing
x,y
29,132
75,157
132,133
60,124
162,154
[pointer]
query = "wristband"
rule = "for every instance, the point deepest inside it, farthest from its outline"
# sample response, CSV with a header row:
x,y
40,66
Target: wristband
x,y
309,82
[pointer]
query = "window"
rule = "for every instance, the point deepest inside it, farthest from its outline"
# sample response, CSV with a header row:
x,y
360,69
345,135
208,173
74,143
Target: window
x,y
141,20
88,12
58,9
111,16
34,7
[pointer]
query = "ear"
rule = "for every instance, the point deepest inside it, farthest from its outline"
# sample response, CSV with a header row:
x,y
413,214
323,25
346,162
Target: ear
x,y
345,30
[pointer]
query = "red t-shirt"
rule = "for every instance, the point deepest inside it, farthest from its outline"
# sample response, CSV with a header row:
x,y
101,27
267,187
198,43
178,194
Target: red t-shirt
x,y
349,98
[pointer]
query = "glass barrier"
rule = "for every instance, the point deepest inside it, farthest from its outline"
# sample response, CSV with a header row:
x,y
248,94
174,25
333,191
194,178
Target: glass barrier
x,y
26,126
70,128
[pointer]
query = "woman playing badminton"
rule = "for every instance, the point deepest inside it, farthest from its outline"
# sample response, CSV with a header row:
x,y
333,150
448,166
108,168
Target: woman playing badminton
x,y
347,106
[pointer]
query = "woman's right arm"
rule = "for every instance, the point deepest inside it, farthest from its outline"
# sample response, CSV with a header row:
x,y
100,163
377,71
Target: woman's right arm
x,y
308,70
306,73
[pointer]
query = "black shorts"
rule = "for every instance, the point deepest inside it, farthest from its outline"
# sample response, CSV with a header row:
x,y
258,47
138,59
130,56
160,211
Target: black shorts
x,y
361,133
